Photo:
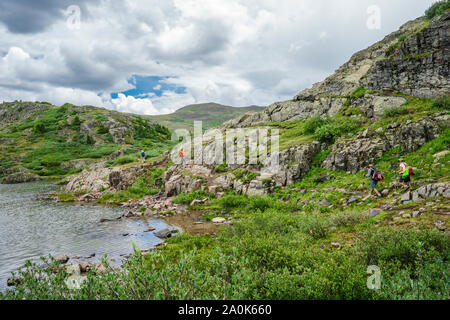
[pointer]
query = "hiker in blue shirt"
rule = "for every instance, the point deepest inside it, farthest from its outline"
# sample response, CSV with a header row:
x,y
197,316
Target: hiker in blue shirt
x,y
143,156
374,175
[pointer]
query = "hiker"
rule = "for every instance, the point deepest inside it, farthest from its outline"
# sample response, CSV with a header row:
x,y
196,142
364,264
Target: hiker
x,y
405,172
143,156
375,176
182,156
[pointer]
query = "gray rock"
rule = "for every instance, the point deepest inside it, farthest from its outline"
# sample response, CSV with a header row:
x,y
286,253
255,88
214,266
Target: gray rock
x,y
352,200
165,233
218,220
406,196
62,258
374,212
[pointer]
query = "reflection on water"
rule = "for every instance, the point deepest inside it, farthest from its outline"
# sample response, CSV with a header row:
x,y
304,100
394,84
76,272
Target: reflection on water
x,y
30,228
192,223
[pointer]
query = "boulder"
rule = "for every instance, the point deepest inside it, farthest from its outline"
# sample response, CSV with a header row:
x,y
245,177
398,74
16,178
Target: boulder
x,y
406,197
374,212
62,258
218,220
165,233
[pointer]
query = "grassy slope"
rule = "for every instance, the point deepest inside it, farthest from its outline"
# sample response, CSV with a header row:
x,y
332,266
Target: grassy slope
x,y
44,142
212,114
287,245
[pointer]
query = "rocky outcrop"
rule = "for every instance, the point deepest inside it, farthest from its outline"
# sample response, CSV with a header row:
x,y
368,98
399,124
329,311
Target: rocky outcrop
x,y
420,68
419,65
369,145
428,191
98,178
19,175
293,164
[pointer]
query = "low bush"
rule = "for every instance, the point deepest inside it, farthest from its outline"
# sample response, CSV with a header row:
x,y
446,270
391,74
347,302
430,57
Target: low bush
x,y
312,124
394,111
437,9
186,198
124,160
335,128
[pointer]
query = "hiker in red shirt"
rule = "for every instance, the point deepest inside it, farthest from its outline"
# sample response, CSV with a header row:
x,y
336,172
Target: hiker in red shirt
x,y
182,156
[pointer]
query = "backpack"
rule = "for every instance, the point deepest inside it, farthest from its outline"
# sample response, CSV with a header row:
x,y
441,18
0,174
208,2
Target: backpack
x,y
407,172
377,175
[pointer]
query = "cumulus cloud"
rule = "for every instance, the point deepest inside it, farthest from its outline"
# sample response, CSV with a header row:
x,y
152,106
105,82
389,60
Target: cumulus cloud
x,y
236,52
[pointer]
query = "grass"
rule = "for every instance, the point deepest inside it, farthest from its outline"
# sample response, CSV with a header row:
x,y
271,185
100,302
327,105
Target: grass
x,y
270,255
437,9
44,142
187,198
148,184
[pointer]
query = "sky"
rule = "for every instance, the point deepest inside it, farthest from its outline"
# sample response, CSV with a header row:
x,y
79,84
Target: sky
x,y
154,57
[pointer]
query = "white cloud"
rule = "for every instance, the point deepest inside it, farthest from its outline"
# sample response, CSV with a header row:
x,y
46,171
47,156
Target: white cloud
x,y
235,52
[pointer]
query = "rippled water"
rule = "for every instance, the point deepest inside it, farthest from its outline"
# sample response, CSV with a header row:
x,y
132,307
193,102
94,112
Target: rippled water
x,y
30,228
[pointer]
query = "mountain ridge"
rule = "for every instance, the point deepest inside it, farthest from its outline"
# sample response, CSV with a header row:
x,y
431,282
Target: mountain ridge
x,y
211,114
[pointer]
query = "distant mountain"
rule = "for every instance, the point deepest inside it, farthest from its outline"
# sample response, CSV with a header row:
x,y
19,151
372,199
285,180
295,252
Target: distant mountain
x,y
212,114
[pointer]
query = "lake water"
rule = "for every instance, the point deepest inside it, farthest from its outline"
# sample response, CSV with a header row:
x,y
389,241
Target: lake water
x,y
31,227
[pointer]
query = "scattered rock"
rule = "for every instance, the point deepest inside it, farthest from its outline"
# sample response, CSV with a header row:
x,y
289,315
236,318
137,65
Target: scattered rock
x,y
325,203
198,201
13,281
385,192
85,266
218,220
374,212
73,269
406,197
62,258
165,233
352,200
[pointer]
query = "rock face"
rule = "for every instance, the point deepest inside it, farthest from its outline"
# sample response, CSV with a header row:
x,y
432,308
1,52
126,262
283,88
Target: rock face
x,y
419,65
294,163
97,177
20,176
355,154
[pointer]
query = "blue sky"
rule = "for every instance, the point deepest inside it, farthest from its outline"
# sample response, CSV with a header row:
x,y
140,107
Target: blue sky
x,y
149,86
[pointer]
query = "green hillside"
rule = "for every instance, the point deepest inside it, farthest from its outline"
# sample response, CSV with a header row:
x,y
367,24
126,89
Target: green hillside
x,y
212,115
38,139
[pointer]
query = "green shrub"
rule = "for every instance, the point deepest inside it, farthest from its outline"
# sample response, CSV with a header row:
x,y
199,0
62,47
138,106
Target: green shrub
x,y
39,127
186,198
395,248
261,203
442,103
338,126
359,92
312,124
101,129
232,201
76,122
437,9
394,111
222,168
124,160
